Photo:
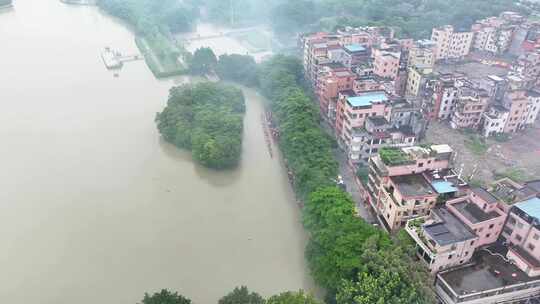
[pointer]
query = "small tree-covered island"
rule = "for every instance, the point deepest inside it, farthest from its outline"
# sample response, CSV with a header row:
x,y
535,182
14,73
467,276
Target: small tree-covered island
x,y
206,118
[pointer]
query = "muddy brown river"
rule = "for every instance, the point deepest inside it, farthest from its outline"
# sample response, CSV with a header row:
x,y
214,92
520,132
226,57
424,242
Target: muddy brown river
x,y
95,207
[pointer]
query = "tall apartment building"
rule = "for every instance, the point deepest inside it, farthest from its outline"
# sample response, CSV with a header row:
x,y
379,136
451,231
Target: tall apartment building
x,y
516,102
386,63
416,79
451,44
494,120
404,127
422,53
533,106
333,79
522,232
353,110
441,95
469,108
405,183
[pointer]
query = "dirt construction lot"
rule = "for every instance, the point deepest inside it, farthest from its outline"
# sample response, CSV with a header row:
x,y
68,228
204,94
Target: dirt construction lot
x,y
517,157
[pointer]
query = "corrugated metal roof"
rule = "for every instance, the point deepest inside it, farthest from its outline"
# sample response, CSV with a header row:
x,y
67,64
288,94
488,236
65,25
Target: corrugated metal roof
x,y
355,48
443,187
530,206
367,99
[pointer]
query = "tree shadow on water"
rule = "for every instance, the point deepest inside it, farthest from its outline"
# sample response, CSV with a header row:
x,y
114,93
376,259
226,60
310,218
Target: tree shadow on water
x,y
216,178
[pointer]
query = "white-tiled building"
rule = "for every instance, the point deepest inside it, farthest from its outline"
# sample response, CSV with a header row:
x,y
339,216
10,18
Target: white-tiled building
x,y
451,44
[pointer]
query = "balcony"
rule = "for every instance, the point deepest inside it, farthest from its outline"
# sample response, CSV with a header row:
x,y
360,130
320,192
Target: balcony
x,y
388,193
414,229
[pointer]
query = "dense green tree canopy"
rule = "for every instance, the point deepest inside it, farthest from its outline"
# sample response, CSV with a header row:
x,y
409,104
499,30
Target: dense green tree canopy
x,y
412,18
291,297
241,295
203,61
306,147
165,297
206,118
385,277
238,68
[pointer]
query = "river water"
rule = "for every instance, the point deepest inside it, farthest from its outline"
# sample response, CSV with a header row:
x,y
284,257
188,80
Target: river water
x,y
94,207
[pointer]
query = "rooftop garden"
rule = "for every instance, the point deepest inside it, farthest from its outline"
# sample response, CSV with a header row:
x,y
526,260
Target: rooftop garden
x,y
393,156
417,223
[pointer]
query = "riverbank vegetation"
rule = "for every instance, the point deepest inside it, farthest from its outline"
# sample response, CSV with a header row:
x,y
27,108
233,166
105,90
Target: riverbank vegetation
x,y
238,68
352,260
154,23
202,62
240,295
206,118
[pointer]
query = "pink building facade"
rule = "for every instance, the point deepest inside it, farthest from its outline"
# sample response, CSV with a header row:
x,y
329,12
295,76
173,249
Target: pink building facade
x,y
522,233
450,235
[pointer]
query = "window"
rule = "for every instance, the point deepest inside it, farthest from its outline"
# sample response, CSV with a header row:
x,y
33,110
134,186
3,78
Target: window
x,y
512,221
536,237
450,256
488,235
520,225
531,247
466,253
472,243
484,207
518,237
491,226
420,165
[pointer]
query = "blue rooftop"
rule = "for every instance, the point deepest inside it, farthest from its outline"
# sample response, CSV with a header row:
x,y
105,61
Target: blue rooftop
x,y
366,99
443,187
355,48
530,206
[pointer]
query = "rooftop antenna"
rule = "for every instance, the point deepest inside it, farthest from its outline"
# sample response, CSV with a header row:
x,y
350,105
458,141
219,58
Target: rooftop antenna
x,y
460,170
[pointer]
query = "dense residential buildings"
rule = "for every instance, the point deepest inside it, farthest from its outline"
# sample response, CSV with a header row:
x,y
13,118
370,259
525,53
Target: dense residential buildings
x,y
463,234
451,44
495,34
483,246
378,93
492,97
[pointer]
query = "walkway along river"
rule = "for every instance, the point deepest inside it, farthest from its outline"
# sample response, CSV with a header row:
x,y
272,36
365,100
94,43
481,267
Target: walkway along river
x,y
94,207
